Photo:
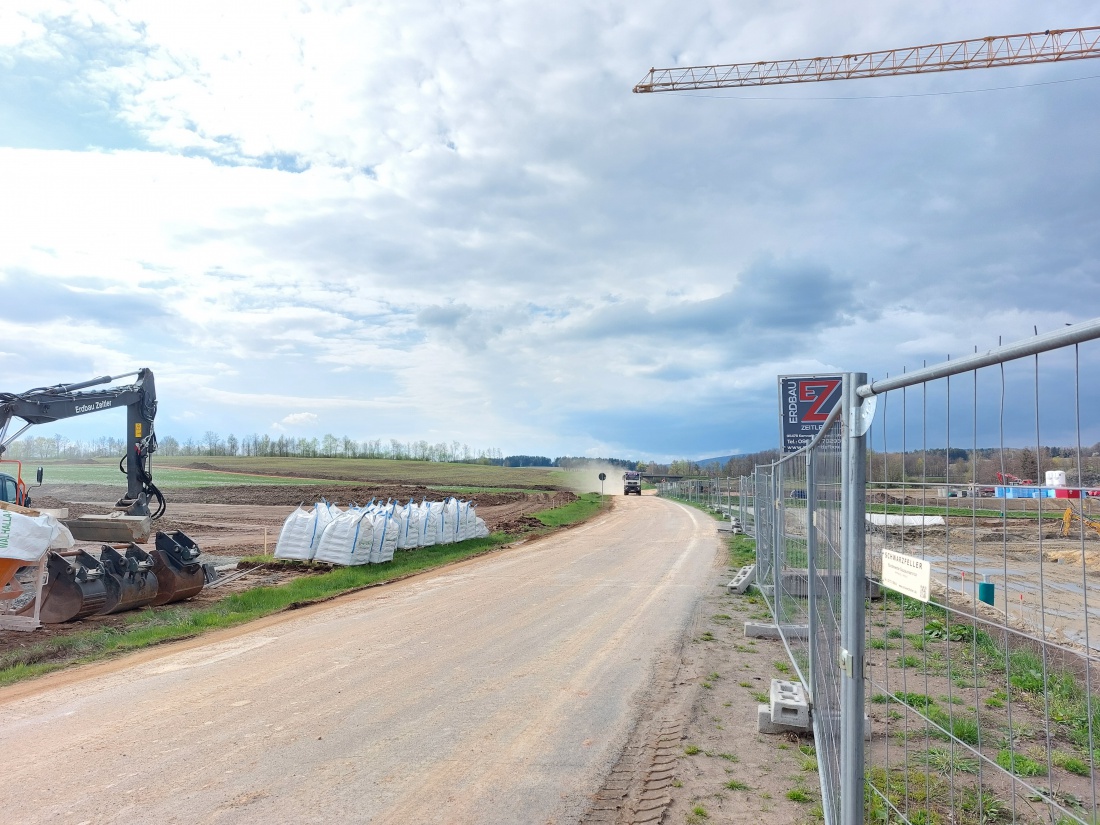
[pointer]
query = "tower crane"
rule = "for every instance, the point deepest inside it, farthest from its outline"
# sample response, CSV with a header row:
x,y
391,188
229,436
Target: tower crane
x,y
1050,46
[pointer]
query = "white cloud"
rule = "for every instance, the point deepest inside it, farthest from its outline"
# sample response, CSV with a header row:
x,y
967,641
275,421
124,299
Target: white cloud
x,y
303,419
456,220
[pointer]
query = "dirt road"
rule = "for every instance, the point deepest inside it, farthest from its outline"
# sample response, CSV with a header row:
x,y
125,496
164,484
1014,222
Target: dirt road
x,y
501,690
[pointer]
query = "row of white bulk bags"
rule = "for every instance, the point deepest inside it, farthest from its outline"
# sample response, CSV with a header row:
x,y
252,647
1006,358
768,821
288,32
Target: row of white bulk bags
x,y
302,531
371,534
362,535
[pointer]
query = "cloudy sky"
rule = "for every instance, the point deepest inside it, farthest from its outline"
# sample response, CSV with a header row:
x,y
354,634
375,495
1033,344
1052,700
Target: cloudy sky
x,y
454,221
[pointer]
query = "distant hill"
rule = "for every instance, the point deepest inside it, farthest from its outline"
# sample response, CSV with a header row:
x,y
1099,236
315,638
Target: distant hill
x,y
707,462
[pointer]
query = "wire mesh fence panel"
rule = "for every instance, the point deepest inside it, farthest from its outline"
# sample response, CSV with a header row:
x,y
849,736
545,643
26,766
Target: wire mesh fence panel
x,y
764,498
983,525
824,602
792,563
746,508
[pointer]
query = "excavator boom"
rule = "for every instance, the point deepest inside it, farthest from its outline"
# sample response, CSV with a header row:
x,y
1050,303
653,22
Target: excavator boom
x,y
47,404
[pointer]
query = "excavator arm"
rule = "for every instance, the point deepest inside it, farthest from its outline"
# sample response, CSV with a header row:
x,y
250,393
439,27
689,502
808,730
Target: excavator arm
x,y
46,404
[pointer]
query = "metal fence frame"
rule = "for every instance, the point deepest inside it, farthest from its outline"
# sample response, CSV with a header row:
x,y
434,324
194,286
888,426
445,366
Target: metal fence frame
x,y
808,514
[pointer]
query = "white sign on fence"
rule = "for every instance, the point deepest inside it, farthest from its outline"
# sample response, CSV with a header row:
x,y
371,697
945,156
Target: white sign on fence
x,y
909,575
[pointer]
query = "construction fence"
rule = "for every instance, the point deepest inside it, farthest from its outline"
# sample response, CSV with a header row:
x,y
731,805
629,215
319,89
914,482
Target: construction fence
x,y
931,561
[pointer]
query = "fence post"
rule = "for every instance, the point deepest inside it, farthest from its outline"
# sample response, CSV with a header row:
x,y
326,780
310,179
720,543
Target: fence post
x,y
777,534
741,503
811,572
853,573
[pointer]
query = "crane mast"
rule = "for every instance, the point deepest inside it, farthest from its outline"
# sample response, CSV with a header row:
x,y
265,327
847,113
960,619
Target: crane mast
x,y
1051,46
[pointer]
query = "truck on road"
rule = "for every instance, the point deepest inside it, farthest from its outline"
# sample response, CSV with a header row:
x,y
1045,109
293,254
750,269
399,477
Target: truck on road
x,y
632,482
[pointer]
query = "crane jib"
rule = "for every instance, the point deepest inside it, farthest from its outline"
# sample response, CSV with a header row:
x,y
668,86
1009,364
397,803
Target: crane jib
x,y
1052,45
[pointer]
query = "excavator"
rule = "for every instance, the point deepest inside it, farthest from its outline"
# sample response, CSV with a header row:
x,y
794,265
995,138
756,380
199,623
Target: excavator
x,y
77,583
1071,515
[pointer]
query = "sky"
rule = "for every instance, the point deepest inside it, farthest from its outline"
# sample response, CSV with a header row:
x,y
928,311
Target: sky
x,y
455,222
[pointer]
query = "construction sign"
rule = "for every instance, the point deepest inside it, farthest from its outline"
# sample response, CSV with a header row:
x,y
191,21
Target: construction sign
x,y
805,401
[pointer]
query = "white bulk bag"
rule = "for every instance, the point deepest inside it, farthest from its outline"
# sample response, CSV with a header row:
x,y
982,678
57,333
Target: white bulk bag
x,y
480,529
385,537
296,537
431,515
448,533
27,538
465,520
408,520
302,531
347,539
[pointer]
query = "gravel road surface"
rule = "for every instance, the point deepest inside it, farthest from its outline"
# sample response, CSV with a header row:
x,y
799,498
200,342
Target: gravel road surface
x,y
501,690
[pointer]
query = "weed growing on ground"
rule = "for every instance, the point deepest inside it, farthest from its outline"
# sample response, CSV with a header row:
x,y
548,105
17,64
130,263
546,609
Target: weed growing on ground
x,y
948,761
1019,764
691,750
1071,764
737,785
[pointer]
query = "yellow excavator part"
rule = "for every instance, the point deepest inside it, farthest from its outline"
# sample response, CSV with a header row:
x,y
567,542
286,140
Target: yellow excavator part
x,y
1071,515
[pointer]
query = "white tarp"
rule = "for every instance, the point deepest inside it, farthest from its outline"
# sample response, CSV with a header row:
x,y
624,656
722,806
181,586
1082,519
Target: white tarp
x,y
27,538
891,520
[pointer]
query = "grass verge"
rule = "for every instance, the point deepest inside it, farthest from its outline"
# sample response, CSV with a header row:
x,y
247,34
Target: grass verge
x,y
583,508
149,627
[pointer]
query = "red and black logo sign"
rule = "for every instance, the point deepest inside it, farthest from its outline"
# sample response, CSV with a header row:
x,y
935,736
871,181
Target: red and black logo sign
x,y
805,402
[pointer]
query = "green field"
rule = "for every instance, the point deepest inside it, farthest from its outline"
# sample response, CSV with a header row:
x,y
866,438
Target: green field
x,y
175,472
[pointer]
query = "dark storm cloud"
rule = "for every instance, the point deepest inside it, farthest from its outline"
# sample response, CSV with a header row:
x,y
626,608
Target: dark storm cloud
x,y
769,298
443,317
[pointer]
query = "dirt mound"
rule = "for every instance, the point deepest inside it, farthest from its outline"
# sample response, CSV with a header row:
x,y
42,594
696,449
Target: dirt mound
x,y
277,495
887,498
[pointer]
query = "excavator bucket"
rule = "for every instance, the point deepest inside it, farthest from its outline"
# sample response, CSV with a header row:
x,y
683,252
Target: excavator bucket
x,y
179,575
74,589
129,578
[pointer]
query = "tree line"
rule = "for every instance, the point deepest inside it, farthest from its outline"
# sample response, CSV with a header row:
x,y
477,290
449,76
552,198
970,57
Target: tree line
x,y
58,447
213,444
